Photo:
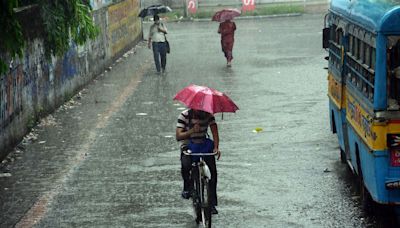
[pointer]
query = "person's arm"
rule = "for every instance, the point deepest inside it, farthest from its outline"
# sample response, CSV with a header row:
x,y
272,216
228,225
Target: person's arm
x,y
181,134
149,39
214,132
162,28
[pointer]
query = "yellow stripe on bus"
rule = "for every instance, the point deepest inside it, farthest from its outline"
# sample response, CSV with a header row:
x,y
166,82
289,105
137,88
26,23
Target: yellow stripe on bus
x,y
335,91
373,133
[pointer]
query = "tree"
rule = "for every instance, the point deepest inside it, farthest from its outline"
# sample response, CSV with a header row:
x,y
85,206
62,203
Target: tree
x,y
11,39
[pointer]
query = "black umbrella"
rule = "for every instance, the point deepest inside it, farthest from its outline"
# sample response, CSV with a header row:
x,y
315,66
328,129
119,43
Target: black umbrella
x,y
153,10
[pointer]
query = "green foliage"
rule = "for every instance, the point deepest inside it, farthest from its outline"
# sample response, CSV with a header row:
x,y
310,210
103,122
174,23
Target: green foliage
x,y
175,14
31,122
64,21
275,9
11,39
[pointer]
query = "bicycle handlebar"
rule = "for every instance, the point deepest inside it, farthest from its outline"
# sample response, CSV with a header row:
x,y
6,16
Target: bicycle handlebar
x,y
189,152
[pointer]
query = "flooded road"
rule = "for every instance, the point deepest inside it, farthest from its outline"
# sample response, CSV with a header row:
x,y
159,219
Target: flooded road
x,y
112,160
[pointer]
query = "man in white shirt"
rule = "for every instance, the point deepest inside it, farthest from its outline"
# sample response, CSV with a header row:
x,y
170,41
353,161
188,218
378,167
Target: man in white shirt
x,y
157,41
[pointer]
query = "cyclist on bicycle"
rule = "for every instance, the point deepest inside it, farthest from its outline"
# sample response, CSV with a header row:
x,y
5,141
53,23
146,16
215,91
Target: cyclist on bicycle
x,y
193,125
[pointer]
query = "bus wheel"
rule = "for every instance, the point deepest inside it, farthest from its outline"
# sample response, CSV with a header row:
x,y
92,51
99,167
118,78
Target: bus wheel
x,y
366,200
397,213
343,158
367,203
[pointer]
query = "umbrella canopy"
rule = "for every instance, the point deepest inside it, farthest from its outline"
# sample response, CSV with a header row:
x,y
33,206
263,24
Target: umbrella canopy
x,y
205,99
153,10
225,14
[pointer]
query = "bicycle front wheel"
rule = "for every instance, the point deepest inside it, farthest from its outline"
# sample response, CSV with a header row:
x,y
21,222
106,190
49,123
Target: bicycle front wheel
x,y
196,196
206,203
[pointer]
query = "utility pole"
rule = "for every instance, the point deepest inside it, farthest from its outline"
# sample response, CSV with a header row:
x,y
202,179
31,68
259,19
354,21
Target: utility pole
x,y
141,19
185,9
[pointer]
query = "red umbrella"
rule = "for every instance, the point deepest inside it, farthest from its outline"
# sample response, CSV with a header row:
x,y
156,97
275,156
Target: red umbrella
x,y
205,99
225,14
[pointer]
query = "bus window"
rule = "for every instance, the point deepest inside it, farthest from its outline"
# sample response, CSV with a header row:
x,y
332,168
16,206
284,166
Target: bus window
x,y
356,48
371,94
362,52
393,71
351,44
373,57
364,89
353,76
367,55
337,39
333,32
340,36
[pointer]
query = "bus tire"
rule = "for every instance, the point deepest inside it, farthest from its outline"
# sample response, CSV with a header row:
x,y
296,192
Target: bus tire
x,y
343,158
397,213
367,203
366,199
333,123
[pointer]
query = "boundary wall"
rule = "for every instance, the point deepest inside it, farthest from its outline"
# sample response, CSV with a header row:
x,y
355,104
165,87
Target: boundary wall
x,y
34,86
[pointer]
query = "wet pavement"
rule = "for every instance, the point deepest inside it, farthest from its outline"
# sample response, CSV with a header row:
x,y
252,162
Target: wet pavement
x,y
109,157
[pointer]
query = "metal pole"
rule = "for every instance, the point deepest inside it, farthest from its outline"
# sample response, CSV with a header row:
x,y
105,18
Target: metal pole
x,y
141,19
185,12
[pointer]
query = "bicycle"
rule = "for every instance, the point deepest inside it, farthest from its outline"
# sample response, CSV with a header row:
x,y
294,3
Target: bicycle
x,y
201,196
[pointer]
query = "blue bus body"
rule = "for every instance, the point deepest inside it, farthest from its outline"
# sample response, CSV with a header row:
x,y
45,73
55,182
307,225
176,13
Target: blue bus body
x,y
364,102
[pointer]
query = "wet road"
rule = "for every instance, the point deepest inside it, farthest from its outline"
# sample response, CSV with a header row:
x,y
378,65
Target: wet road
x,y
110,159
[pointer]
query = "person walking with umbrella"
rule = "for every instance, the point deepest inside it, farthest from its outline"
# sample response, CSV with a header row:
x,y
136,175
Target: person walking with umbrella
x,y
192,127
157,41
227,30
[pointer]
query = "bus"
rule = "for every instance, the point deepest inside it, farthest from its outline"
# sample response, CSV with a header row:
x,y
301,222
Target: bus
x,y
362,39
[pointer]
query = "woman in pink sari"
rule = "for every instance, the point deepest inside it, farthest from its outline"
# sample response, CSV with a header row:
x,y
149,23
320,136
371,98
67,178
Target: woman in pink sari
x,y
227,31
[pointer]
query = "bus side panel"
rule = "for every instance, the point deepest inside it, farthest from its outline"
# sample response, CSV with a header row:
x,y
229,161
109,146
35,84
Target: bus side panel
x,y
345,138
385,173
382,161
374,166
352,147
362,160
338,121
393,174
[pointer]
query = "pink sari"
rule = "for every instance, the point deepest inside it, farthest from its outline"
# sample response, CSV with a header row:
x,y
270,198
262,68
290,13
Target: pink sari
x,y
227,31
